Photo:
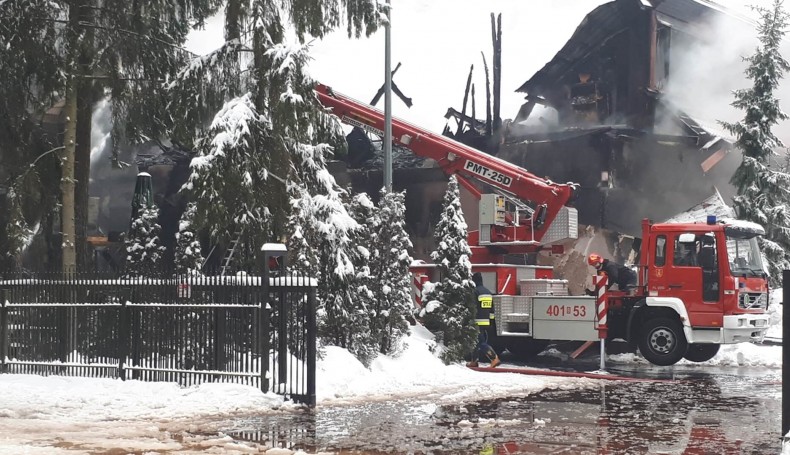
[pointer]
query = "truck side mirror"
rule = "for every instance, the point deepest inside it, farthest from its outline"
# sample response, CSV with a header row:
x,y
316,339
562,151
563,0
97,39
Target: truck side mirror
x,y
540,215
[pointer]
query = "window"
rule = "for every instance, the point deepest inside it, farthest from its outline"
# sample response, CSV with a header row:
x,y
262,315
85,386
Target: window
x,y
685,252
661,251
744,257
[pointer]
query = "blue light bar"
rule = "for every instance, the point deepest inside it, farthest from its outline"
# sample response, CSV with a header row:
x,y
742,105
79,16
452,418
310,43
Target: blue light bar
x,y
711,219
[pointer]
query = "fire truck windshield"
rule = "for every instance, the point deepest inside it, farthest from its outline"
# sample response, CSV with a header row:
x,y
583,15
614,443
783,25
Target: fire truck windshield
x,y
744,256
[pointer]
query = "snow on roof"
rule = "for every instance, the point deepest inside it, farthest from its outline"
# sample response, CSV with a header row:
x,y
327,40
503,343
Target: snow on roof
x,y
746,226
715,130
714,205
273,247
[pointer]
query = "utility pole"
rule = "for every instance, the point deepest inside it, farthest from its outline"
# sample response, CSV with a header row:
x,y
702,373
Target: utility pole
x,y
387,103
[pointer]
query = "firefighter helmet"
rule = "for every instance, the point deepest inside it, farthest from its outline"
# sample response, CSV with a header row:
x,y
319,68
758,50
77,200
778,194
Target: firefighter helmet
x,y
594,259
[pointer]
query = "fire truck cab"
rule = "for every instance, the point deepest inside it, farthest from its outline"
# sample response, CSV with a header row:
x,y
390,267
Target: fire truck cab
x,y
707,276
700,285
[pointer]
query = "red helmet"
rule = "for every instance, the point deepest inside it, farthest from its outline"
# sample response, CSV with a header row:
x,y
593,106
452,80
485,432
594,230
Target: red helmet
x,y
594,259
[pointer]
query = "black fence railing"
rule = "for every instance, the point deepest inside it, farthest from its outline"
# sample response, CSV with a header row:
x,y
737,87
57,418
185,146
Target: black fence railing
x,y
189,330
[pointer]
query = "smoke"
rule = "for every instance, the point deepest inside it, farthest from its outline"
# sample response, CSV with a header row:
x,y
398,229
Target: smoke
x,y
113,187
101,128
706,68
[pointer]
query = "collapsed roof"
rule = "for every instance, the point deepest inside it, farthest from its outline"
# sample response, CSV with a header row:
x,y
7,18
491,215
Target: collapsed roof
x,y
610,19
611,72
714,205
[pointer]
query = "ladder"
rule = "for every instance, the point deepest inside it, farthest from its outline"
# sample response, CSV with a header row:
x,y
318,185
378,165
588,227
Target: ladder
x,y
228,258
520,205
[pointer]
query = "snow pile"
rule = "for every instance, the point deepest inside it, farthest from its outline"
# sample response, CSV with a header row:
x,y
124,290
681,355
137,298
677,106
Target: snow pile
x,y
417,372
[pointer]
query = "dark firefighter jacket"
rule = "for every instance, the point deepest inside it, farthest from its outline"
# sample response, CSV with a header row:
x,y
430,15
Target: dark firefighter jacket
x,y
617,274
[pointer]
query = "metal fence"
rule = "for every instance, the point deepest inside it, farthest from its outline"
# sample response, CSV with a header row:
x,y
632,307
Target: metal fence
x,y
189,330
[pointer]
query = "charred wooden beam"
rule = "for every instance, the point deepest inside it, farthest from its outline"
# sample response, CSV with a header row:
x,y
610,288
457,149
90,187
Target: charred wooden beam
x,y
488,96
460,117
474,114
466,99
496,34
524,111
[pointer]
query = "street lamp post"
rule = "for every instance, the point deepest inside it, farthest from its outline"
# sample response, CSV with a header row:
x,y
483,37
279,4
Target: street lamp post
x,y
387,103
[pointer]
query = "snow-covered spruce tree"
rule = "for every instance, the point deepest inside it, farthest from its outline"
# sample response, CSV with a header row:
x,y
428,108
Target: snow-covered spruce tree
x,y
322,246
188,257
227,172
30,79
271,159
267,145
143,247
360,301
762,192
390,261
449,304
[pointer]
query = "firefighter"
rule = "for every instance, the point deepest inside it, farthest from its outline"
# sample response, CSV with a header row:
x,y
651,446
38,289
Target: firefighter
x,y
485,312
615,273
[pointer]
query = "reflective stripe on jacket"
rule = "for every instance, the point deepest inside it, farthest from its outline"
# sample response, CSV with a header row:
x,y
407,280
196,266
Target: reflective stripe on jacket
x,y
485,307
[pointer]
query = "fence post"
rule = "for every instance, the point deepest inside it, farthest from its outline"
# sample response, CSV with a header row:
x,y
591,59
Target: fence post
x,y
785,355
311,346
219,339
124,333
275,256
263,330
282,339
63,330
3,330
72,284
135,316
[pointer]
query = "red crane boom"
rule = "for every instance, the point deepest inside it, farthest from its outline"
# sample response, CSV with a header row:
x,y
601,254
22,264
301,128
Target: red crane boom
x,y
543,198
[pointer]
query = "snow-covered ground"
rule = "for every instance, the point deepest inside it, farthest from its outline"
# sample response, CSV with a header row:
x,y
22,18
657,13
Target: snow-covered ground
x,y
69,415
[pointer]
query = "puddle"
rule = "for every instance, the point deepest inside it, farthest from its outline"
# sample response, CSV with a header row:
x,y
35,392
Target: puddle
x,y
721,414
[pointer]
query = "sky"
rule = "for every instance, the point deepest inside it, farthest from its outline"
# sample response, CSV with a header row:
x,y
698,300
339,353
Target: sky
x,y
436,42
51,415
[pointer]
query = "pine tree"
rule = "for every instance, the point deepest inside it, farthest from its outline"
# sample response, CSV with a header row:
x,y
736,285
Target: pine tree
x,y
322,246
188,257
392,300
30,79
228,170
262,160
143,247
450,307
361,300
247,166
762,191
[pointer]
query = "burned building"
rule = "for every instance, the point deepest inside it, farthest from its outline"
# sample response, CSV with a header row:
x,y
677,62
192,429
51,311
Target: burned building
x,y
635,152
598,114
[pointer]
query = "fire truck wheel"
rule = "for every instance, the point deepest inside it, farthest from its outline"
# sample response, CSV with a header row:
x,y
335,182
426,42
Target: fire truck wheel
x,y
662,341
701,352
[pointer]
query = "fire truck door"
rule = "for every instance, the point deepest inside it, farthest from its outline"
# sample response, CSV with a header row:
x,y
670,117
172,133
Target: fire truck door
x,y
684,279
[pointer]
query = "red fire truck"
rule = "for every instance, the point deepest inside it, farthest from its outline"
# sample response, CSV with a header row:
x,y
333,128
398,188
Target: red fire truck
x,y
700,285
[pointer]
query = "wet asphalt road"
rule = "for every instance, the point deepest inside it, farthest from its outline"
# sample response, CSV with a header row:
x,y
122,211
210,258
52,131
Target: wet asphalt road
x,y
692,410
